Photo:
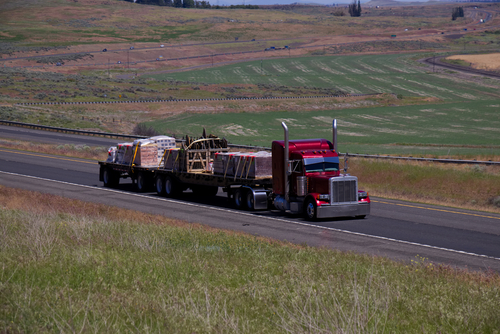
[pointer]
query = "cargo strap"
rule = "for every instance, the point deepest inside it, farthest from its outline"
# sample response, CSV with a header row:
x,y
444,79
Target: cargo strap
x,y
248,168
132,162
237,168
163,159
227,165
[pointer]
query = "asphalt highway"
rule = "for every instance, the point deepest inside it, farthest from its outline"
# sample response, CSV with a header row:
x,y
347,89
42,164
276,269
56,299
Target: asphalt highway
x,y
400,230
49,137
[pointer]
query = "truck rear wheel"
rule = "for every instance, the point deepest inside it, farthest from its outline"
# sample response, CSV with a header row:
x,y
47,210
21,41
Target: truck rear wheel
x,y
310,210
110,178
239,198
172,187
160,185
250,201
142,182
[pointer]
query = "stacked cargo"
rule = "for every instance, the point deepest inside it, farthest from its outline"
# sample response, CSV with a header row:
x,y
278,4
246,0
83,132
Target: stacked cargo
x,y
145,152
164,143
243,165
124,153
174,159
111,154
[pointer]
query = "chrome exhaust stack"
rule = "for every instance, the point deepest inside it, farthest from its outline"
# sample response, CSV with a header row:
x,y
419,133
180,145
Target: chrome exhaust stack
x,y
335,135
286,162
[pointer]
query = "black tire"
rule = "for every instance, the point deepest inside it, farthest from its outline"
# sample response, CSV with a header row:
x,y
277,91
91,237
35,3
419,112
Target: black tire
x,y
110,178
160,185
310,210
141,182
250,201
239,196
172,187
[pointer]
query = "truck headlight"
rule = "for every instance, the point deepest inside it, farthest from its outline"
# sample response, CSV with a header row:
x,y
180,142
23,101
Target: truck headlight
x,y
324,197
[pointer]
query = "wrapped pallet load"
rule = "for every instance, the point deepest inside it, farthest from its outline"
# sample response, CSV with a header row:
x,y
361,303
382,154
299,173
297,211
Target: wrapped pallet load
x,y
254,165
224,163
124,153
111,154
243,165
164,143
174,160
145,152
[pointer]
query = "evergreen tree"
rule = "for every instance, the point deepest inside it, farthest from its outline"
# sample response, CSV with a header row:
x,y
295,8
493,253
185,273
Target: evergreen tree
x,y
355,9
178,3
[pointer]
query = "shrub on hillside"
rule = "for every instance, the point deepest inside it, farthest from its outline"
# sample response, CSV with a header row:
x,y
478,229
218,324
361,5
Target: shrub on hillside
x,y
144,130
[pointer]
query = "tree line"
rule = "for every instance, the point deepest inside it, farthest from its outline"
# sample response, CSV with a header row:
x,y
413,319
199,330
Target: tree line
x,y
189,4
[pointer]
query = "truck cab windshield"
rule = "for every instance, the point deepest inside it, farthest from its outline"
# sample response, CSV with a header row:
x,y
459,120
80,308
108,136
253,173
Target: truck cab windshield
x,y
330,164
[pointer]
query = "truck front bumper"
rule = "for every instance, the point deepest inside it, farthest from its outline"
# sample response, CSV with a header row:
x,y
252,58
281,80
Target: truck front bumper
x,y
348,210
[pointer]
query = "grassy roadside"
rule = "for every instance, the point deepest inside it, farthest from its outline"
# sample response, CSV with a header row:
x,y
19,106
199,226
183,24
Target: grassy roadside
x,y
473,187
73,266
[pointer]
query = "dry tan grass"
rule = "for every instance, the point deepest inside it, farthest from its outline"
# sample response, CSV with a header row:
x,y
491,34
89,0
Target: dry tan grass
x,y
460,186
484,61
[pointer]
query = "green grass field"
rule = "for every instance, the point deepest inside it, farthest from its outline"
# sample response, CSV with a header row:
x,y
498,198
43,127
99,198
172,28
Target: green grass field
x,y
365,74
465,128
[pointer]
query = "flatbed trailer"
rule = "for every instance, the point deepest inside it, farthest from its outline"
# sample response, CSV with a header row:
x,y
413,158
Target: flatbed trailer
x,y
171,183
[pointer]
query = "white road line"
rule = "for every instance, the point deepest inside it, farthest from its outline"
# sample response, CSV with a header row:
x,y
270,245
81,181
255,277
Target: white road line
x,y
269,218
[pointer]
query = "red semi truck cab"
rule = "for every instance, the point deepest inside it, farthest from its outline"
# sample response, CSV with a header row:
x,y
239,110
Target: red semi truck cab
x,y
309,180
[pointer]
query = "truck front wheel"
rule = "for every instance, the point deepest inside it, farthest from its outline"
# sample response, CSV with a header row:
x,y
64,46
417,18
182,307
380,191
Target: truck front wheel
x,y
110,178
310,210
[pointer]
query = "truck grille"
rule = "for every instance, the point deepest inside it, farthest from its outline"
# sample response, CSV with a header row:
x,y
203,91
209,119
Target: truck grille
x,y
343,189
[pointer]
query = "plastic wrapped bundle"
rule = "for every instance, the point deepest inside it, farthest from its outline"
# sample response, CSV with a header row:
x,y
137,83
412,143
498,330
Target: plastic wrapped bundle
x,y
124,153
111,154
174,160
145,152
254,165
164,143
243,165
225,163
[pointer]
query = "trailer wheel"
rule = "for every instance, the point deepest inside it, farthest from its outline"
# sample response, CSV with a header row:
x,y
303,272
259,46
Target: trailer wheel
x,y
160,185
310,210
141,183
250,201
172,188
110,178
238,199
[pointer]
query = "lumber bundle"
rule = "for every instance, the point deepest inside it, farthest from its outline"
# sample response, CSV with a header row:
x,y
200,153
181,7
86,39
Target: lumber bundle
x,y
243,165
